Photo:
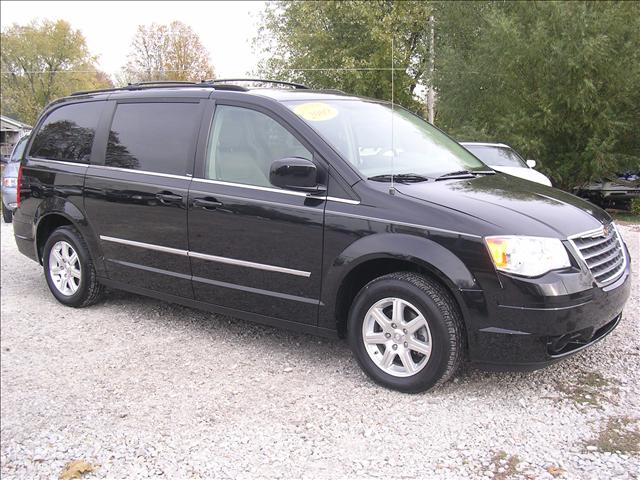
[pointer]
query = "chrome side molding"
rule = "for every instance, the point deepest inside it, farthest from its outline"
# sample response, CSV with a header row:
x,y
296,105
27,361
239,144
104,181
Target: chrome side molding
x,y
204,256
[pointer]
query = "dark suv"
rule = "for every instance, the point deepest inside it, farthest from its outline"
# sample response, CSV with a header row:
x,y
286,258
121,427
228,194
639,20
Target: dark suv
x,y
322,212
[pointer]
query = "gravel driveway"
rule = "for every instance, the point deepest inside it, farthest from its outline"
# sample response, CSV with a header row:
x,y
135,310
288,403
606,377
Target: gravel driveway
x,y
141,388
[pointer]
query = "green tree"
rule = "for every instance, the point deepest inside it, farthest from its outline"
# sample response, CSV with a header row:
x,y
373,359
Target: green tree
x,y
167,52
41,62
348,45
559,81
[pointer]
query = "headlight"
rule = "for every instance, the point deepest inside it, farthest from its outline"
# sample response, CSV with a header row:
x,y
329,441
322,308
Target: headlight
x,y
10,182
527,256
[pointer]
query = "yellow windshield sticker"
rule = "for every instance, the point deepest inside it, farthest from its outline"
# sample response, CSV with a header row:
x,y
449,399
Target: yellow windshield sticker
x,y
315,111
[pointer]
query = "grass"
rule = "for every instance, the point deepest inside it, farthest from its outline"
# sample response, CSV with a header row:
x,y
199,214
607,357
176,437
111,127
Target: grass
x,y
621,434
590,389
506,461
624,217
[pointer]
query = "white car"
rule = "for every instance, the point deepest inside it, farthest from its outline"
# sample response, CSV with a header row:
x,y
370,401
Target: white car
x,y
505,159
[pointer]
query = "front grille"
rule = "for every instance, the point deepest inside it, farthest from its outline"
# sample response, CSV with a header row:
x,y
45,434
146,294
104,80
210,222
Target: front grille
x,y
602,252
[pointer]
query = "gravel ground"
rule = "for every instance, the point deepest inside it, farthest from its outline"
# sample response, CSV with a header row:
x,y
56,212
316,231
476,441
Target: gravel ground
x,y
142,388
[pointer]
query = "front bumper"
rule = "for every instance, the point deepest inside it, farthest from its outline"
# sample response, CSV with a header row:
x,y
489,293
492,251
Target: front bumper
x,y
535,334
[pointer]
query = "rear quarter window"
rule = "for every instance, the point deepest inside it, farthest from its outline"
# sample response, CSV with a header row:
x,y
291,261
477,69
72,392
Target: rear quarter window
x,y
67,133
154,137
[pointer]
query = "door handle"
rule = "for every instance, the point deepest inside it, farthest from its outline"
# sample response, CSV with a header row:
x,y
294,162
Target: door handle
x,y
207,203
168,198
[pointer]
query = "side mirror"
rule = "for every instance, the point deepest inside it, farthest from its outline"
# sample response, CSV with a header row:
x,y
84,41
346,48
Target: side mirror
x,y
295,173
531,163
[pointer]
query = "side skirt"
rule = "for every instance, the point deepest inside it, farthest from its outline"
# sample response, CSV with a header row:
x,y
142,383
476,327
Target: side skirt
x,y
251,317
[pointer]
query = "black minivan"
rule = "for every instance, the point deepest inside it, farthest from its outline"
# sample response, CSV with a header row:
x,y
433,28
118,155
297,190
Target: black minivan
x,y
319,211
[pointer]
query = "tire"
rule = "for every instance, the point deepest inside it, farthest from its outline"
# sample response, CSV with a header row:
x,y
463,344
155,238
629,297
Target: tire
x,y
80,291
432,345
7,214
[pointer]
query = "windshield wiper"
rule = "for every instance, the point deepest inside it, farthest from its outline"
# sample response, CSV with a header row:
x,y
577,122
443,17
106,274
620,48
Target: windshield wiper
x,y
464,174
400,177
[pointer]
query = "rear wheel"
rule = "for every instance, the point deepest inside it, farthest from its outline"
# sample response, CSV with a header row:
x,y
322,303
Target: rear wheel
x,y
69,269
7,214
406,332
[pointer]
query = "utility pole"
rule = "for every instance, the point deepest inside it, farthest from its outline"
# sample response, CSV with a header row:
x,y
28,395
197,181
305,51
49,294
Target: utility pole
x,y
431,94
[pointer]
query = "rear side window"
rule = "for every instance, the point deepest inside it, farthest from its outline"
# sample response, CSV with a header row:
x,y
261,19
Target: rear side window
x,y
67,133
155,137
18,150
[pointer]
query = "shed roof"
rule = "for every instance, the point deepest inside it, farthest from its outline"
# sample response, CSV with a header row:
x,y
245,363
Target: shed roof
x,y
11,124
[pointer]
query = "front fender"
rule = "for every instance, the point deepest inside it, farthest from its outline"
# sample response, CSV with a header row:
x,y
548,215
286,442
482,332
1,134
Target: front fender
x,y
424,252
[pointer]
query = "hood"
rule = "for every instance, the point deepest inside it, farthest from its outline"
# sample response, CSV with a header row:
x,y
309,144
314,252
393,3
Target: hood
x,y
511,205
526,173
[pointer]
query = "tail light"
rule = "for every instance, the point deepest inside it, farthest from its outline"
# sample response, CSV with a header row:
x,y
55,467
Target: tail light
x,y
18,185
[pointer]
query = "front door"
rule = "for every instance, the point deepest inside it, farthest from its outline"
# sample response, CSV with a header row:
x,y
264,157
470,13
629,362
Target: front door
x,y
136,199
254,247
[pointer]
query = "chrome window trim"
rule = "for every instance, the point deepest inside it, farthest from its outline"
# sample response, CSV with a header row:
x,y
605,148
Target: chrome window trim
x,y
204,180
142,172
252,187
404,224
276,190
341,200
62,162
204,256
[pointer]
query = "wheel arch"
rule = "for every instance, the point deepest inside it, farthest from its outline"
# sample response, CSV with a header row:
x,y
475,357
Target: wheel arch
x,y
49,219
380,254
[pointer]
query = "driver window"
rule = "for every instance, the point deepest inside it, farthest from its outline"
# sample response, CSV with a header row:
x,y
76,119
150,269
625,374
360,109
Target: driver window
x,y
243,145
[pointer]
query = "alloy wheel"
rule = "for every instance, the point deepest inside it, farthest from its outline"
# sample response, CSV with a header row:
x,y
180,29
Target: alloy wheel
x,y
397,337
64,268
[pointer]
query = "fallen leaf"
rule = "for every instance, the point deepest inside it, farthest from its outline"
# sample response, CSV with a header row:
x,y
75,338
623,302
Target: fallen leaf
x,y
555,471
75,469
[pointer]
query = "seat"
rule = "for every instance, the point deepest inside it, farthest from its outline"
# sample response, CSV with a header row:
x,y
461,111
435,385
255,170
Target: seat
x,y
236,158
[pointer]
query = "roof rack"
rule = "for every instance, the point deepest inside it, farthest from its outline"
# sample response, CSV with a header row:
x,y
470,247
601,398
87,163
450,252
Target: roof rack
x,y
162,82
297,86
142,86
222,84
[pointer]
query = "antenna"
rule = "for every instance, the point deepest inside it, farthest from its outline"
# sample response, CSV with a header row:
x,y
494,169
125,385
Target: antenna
x,y
392,189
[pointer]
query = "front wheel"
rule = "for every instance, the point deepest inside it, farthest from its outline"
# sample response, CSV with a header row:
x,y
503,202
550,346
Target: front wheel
x,y
406,332
69,270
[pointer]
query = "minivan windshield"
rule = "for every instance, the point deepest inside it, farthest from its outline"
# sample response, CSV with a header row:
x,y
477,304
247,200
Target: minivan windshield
x,y
498,156
380,141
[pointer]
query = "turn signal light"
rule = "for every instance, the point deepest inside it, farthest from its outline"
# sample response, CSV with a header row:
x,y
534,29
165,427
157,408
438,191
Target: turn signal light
x,y
498,250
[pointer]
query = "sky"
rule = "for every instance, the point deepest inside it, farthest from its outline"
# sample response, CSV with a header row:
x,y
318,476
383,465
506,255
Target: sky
x,y
225,28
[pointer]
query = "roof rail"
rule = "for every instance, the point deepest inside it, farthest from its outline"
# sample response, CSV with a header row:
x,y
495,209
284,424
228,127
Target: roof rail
x,y
144,86
101,90
161,82
222,84
141,86
256,80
